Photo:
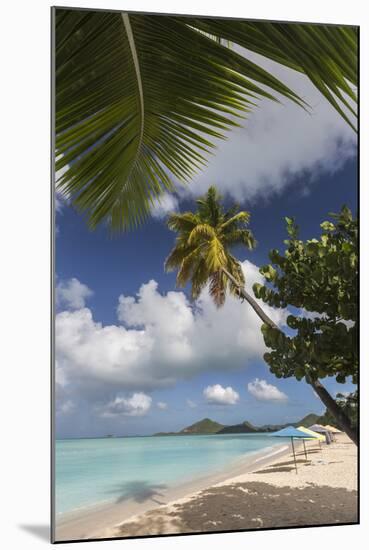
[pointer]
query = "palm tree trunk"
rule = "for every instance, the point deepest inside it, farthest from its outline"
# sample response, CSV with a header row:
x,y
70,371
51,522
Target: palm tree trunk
x,y
342,419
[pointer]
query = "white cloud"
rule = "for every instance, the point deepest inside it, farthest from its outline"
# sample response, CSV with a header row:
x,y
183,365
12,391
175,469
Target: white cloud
x,y
277,143
161,339
137,405
64,407
162,406
58,202
61,199
191,404
72,294
166,204
263,391
221,396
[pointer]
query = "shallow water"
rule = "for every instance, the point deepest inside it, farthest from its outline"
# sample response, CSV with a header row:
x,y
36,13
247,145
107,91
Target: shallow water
x,y
94,471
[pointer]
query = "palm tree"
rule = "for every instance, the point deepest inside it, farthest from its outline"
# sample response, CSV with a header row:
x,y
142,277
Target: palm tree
x,y
141,98
202,256
202,250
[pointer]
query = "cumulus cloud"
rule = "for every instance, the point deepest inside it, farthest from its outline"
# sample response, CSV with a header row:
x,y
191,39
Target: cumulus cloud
x,y
263,391
218,395
136,405
58,203
161,339
162,406
63,402
191,404
163,206
64,407
279,144
72,294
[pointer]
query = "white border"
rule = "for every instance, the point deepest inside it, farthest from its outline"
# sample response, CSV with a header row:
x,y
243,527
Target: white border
x,y
25,226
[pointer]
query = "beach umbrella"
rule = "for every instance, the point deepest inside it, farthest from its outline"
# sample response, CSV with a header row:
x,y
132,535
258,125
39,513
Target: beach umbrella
x,y
314,435
321,429
332,429
292,433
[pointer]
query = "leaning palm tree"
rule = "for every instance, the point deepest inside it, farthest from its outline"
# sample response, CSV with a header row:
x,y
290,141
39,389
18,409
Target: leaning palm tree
x,y
202,256
140,99
202,253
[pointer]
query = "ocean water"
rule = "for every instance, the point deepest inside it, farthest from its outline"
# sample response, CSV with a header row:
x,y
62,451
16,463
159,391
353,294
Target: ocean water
x,y
94,471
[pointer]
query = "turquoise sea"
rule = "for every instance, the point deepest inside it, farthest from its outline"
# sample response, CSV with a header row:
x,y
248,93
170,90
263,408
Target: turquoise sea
x,y
94,471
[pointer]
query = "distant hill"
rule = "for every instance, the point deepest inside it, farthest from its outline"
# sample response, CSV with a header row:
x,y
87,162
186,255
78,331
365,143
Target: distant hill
x,y
208,426
245,427
204,426
309,420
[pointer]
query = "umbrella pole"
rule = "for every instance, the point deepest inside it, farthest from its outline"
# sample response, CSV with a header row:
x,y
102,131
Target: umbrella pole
x,y
306,456
294,456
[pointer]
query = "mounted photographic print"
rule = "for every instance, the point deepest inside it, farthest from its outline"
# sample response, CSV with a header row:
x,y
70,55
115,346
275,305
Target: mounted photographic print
x,y
205,327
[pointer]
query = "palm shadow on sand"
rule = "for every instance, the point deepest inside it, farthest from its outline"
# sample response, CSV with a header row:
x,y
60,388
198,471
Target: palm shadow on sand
x,y
249,506
139,491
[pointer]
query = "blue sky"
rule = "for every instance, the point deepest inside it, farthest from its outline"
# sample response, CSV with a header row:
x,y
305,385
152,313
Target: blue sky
x,y
134,356
114,266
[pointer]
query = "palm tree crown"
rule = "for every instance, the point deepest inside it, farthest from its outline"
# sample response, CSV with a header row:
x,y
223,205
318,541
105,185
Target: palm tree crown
x,y
202,249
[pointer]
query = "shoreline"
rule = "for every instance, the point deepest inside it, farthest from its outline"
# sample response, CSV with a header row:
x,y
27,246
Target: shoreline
x,y
97,520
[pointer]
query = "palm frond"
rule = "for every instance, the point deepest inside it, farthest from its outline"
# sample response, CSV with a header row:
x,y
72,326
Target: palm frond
x,y
177,256
240,236
242,217
234,267
187,267
202,230
139,100
217,288
199,278
183,222
327,54
215,255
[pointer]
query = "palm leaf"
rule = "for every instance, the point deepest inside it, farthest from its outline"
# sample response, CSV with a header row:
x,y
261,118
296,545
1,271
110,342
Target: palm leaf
x,y
327,54
140,99
199,278
239,218
177,256
240,236
217,288
183,223
202,230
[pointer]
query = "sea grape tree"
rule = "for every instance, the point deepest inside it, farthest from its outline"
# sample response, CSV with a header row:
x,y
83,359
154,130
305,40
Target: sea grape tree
x,y
317,280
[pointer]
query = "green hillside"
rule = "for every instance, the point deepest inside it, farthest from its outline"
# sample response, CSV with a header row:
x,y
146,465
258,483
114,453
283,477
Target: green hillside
x,y
245,427
309,420
204,426
208,426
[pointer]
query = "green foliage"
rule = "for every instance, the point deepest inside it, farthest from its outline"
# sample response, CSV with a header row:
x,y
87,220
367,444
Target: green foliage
x,y
141,99
318,277
349,404
203,243
204,426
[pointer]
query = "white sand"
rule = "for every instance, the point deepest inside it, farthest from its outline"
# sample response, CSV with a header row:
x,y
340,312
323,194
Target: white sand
x,y
323,492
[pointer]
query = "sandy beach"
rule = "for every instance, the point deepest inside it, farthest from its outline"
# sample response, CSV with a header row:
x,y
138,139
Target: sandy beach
x,y
258,492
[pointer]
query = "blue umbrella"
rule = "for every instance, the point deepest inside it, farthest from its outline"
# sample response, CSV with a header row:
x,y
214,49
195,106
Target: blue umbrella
x,y
293,433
